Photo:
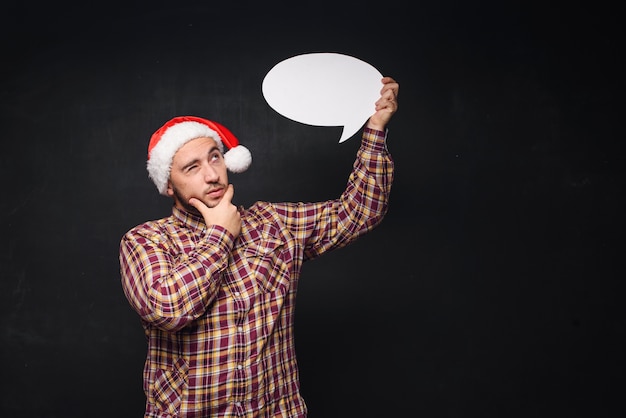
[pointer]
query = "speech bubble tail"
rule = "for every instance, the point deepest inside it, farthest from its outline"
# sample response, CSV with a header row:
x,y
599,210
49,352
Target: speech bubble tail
x,y
348,132
344,137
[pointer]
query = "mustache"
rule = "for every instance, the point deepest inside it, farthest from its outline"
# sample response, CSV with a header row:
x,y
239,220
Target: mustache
x,y
215,186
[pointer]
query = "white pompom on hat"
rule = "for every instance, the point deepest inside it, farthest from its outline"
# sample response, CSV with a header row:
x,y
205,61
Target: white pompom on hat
x,y
177,132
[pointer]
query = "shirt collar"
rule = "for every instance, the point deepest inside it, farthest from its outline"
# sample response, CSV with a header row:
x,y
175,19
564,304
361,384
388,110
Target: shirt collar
x,y
190,220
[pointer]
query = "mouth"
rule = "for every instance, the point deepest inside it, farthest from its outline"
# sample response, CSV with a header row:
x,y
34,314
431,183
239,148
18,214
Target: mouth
x,y
215,193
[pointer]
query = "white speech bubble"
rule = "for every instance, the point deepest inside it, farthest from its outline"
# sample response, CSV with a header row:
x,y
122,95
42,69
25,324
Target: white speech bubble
x,y
324,89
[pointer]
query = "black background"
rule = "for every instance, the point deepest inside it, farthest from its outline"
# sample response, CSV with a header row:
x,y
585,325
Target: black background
x,y
492,289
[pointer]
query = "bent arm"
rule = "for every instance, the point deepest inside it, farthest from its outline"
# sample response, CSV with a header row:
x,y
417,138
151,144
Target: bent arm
x,y
167,288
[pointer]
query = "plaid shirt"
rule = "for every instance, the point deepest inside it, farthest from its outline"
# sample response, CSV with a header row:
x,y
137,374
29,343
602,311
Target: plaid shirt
x,y
218,311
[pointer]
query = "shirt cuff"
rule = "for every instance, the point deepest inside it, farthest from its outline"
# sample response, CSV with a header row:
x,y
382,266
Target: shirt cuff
x,y
375,140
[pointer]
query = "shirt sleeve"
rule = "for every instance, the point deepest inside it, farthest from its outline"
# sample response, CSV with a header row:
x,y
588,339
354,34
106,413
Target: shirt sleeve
x,y
170,288
360,208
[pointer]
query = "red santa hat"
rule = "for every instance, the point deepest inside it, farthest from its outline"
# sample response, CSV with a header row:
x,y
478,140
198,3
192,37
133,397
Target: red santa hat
x,y
177,132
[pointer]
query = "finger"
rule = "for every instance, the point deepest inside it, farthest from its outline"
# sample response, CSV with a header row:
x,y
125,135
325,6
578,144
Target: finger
x,y
392,87
387,101
228,196
390,90
198,204
389,95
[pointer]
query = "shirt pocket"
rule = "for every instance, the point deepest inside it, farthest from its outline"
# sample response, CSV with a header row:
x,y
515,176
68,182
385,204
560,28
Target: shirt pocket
x,y
169,386
268,260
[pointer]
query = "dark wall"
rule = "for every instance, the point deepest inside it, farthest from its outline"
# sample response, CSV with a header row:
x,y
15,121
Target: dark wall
x,y
492,289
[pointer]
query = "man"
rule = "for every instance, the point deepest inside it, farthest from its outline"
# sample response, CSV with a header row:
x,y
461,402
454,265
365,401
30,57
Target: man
x,y
215,285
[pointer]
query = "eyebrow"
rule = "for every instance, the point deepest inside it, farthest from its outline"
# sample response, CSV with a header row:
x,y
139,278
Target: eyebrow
x,y
190,163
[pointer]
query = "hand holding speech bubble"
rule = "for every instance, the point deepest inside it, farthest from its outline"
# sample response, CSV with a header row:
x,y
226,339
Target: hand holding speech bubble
x,y
324,89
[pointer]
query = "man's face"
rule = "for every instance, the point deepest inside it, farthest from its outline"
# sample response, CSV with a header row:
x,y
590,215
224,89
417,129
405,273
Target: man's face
x,y
198,170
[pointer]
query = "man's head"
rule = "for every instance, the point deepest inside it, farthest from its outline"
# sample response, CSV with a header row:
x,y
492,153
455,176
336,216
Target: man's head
x,y
198,170
177,132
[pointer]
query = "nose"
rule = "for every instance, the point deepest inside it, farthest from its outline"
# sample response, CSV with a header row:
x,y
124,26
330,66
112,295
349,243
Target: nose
x,y
210,174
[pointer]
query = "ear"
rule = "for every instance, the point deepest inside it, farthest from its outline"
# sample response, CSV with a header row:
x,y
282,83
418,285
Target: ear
x,y
170,189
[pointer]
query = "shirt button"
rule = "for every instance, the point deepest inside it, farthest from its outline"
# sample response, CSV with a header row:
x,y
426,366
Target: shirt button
x,y
240,329
238,403
237,293
239,367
